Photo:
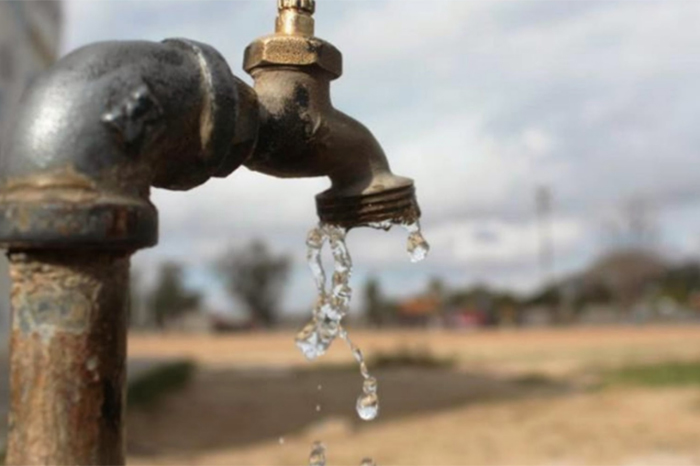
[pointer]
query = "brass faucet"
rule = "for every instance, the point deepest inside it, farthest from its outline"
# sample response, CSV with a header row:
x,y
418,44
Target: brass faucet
x,y
303,135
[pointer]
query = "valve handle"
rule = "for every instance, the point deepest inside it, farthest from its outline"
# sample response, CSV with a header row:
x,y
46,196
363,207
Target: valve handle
x,y
306,6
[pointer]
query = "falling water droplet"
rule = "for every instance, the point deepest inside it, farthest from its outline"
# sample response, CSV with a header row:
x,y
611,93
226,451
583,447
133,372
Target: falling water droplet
x,y
368,406
333,304
314,242
384,225
281,440
368,462
368,402
318,408
369,385
318,455
357,354
416,245
307,340
320,387
316,337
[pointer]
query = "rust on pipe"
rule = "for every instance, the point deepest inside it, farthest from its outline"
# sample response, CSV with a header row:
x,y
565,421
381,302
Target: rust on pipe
x,y
69,320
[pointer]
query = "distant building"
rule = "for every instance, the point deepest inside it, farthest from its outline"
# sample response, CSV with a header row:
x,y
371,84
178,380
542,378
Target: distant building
x,y
29,37
421,311
465,318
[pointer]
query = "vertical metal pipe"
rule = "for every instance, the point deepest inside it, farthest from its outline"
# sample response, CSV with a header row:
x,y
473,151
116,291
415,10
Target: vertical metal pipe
x,y
68,350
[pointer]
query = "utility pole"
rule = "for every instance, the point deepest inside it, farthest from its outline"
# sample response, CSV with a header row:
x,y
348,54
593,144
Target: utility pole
x,y
543,201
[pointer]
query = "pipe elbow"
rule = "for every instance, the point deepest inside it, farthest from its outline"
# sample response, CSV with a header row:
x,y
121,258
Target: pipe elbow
x,y
105,124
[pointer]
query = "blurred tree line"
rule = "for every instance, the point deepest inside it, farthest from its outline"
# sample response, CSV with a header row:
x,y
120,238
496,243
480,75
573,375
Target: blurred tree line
x,y
252,275
625,277
626,283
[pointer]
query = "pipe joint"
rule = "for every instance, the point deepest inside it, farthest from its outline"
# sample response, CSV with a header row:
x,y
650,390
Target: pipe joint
x,y
105,124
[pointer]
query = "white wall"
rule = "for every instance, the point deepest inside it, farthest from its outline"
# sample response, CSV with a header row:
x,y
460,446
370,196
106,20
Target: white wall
x,y
29,39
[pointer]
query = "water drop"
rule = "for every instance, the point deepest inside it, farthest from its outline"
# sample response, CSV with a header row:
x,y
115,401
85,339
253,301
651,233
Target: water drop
x,y
333,304
369,385
318,408
318,455
320,387
281,440
363,370
357,354
368,462
368,406
315,238
317,336
314,241
417,247
384,225
308,341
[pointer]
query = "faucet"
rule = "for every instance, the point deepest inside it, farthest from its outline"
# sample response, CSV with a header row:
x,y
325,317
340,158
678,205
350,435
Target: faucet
x,y
93,135
303,135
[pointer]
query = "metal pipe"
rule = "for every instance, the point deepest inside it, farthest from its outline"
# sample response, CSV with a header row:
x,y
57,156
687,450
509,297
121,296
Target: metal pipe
x,y
105,124
68,350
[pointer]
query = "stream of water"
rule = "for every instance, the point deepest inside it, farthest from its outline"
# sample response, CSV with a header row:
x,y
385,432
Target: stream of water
x,y
333,303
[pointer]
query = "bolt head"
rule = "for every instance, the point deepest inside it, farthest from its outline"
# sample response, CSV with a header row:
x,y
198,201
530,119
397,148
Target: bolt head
x,y
286,50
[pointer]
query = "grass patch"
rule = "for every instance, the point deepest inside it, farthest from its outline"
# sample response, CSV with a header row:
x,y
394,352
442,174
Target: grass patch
x,y
666,374
533,380
163,379
410,357
401,358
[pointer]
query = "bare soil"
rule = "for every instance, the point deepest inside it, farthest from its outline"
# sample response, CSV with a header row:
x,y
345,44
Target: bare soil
x,y
515,397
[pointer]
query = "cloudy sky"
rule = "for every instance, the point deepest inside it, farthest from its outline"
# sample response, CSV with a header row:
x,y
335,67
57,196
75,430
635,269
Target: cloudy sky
x,y
480,102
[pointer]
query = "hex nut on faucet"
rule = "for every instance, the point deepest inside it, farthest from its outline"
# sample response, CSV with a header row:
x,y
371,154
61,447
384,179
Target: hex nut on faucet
x,y
278,50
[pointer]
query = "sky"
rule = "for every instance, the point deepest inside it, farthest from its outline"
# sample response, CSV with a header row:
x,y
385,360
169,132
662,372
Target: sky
x,y
480,102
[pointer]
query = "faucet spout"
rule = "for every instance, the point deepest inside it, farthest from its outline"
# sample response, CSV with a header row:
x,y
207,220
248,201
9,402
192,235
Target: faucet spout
x,y
302,135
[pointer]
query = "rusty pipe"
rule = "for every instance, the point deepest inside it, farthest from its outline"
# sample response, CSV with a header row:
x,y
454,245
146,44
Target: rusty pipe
x,y
302,135
93,135
68,357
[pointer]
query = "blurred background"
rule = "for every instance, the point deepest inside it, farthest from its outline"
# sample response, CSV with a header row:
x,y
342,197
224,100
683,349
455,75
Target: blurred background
x,y
556,319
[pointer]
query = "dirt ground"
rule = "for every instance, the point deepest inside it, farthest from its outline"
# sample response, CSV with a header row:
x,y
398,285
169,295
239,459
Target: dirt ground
x,y
515,397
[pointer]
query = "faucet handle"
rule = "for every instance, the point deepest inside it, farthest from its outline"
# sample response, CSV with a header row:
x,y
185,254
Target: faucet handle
x,y
307,6
295,17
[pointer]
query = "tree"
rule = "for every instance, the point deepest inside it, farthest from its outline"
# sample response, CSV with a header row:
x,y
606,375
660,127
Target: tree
x,y
170,298
256,277
681,282
627,273
437,291
633,225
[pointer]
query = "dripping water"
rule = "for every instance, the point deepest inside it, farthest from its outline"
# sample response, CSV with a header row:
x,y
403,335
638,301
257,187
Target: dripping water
x,y
318,455
332,304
